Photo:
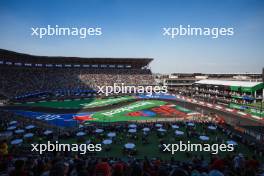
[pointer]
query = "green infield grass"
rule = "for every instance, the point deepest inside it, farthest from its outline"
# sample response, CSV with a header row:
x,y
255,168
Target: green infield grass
x,y
120,114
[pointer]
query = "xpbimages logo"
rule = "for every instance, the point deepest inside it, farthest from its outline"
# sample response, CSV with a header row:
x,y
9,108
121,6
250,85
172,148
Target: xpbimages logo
x,y
126,89
192,147
83,32
58,147
181,30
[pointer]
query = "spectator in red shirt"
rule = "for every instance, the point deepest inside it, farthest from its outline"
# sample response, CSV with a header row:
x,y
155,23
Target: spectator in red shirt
x,y
103,168
252,163
218,164
118,169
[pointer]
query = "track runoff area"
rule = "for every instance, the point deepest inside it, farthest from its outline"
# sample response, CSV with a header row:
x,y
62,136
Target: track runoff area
x,y
144,108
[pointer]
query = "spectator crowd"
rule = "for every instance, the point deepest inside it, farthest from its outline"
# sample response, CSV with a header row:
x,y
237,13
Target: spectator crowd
x,y
20,80
16,161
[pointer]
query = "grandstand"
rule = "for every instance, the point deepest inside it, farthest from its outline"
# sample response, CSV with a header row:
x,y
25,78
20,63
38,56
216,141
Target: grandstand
x,y
242,95
26,76
177,82
242,92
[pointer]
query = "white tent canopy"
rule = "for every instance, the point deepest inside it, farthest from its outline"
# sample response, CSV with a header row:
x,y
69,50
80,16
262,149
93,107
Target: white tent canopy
x,y
228,83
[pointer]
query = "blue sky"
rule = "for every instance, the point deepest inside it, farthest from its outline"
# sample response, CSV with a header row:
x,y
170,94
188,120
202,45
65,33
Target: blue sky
x,y
134,29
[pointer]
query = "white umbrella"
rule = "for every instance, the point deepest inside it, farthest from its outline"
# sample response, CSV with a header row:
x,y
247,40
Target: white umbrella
x,y
28,135
111,134
175,126
204,138
81,133
132,126
13,122
130,146
158,125
29,127
6,134
146,129
190,124
19,131
107,141
162,130
99,130
179,133
16,141
132,130
231,142
212,127
47,132
11,128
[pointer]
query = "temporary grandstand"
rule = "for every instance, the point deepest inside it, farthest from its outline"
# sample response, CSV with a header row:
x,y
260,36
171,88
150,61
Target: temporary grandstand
x,y
242,87
236,94
183,82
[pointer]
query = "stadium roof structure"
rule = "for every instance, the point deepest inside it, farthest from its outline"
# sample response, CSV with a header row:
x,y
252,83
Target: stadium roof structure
x,y
12,56
244,86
